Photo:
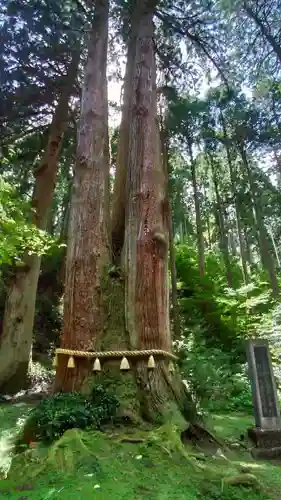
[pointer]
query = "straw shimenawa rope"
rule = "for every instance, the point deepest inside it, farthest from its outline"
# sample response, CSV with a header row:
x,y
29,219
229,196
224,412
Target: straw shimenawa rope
x,y
116,354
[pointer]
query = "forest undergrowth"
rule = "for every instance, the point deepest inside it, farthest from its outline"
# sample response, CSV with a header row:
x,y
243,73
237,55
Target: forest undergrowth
x,y
128,463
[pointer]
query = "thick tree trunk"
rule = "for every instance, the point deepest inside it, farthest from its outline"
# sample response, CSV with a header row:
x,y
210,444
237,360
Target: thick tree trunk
x,y
199,228
147,229
94,316
266,257
88,253
16,338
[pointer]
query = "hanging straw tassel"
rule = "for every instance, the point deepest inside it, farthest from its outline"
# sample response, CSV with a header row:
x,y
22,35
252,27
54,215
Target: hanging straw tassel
x,y
55,360
151,362
97,365
71,362
124,364
171,367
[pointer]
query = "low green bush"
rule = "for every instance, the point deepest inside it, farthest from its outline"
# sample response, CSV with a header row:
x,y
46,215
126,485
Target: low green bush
x,y
214,381
63,411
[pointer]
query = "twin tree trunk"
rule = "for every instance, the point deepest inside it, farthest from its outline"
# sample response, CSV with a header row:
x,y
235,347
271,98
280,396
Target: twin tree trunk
x,y
91,316
16,337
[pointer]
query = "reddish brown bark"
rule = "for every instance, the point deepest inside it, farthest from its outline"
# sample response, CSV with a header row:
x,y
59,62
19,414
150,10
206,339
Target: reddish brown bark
x,y
146,235
16,339
119,197
172,253
120,192
88,248
146,241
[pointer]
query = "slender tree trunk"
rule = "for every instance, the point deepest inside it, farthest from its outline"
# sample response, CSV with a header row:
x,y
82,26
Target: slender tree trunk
x,y
16,339
248,249
120,191
266,256
222,230
199,228
209,243
270,233
233,181
172,255
232,243
88,243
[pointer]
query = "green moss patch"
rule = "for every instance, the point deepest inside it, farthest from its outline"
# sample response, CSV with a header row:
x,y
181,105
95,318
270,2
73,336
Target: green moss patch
x,y
132,463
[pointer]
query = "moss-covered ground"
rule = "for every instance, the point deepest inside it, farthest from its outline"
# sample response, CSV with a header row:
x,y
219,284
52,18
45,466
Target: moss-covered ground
x,y
135,464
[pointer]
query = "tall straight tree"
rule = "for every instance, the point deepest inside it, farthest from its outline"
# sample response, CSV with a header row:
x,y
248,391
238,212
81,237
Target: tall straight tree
x,y
92,320
16,338
233,180
88,241
221,226
146,225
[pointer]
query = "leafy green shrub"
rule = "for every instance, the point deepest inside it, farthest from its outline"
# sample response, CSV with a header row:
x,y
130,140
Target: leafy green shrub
x,y
214,381
63,411
18,233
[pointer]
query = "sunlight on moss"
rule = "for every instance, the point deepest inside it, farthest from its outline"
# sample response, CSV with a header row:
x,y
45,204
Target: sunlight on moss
x,y
12,419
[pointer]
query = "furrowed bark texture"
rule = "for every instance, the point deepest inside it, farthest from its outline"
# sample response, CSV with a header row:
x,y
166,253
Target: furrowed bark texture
x,y
16,338
172,253
120,192
146,234
88,247
119,197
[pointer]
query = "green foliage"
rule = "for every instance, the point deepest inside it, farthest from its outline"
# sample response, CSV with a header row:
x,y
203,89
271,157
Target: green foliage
x,y
226,316
214,381
63,411
216,320
199,304
17,234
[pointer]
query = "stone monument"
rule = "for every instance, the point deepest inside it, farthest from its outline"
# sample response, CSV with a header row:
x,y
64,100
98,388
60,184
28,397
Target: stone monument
x,y
267,431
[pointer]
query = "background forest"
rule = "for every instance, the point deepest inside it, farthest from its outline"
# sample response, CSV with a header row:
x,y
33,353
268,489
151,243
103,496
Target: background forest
x,y
219,89
125,215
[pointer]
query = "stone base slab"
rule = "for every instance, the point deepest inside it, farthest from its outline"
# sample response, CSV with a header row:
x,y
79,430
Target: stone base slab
x,y
265,438
266,453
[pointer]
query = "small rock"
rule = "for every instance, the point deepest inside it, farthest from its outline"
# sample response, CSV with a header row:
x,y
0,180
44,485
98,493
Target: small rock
x,y
234,445
219,454
138,457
